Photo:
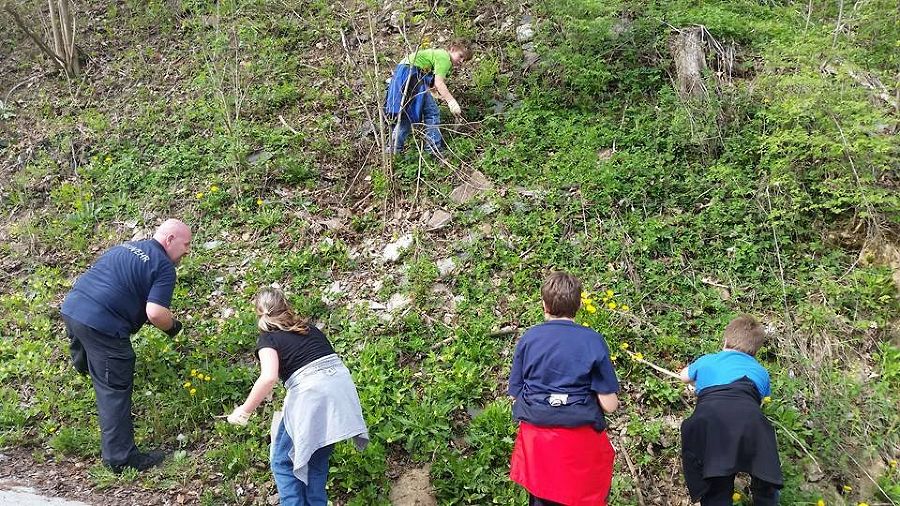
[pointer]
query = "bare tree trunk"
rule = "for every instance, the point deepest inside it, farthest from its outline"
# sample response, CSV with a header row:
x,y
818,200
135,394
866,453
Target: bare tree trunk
x,y
67,22
64,53
55,29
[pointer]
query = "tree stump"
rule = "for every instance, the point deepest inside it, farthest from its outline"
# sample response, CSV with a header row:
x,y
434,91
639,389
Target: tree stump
x,y
688,49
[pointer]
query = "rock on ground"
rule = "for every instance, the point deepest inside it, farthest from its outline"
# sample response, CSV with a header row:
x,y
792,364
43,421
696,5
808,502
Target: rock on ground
x,y
475,184
413,488
393,250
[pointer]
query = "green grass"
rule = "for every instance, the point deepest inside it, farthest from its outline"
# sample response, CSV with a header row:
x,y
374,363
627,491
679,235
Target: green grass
x,y
769,191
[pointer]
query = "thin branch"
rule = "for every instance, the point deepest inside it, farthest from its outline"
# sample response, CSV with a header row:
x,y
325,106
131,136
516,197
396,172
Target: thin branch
x,y
633,471
837,25
787,313
869,476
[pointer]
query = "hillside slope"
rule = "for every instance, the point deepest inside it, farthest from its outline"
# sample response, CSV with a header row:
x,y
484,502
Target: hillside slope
x,y
773,191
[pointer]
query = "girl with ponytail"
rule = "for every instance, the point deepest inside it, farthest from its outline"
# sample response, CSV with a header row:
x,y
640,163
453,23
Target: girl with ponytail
x,y
321,406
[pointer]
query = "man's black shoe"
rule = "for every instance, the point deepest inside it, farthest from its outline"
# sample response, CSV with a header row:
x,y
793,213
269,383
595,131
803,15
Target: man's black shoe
x,y
140,461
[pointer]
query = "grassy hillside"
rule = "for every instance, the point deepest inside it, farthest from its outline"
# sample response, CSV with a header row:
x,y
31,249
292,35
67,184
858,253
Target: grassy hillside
x,y
775,193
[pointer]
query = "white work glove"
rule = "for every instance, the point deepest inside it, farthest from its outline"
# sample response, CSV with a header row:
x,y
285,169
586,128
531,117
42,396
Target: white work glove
x,y
238,417
454,107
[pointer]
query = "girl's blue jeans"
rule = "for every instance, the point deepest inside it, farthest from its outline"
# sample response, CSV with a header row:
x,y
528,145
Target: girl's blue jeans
x,y
292,491
431,115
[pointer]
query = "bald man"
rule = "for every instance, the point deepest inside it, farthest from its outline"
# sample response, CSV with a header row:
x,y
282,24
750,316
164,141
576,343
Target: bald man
x,y
129,285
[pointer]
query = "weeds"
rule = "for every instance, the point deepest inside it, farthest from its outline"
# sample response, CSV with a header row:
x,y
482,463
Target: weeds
x,y
599,169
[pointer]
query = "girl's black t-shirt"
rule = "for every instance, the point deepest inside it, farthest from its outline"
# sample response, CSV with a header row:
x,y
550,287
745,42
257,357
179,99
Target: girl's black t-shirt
x,y
295,350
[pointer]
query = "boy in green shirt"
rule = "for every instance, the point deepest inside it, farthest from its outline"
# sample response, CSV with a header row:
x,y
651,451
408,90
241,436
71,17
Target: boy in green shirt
x,y
409,98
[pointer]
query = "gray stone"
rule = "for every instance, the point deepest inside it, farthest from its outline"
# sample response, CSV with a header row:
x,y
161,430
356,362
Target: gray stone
x,y
529,59
259,156
393,250
446,266
333,293
211,245
524,32
475,184
396,18
398,301
439,219
332,224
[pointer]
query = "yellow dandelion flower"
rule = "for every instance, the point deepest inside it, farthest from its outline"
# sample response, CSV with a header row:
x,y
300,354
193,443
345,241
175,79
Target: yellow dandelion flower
x,y
863,504
820,502
187,384
207,378
613,357
736,497
259,202
767,399
893,463
623,346
610,293
193,372
213,189
847,488
193,391
52,429
638,356
625,307
590,308
611,305
107,159
585,295
199,195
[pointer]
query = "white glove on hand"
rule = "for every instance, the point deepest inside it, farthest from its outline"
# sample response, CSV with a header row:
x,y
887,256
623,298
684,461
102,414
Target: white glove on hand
x,y
454,107
238,417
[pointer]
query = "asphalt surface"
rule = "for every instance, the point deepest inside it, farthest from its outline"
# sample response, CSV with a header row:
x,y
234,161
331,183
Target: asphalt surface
x,y
27,496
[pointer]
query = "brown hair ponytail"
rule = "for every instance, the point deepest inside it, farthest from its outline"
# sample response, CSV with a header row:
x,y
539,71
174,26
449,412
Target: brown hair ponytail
x,y
276,314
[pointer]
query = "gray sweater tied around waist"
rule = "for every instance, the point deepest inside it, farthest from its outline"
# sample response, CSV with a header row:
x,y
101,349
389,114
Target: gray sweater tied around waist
x,y
321,408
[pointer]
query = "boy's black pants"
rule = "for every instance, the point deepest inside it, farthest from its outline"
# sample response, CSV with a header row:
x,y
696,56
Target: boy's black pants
x,y
722,488
110,363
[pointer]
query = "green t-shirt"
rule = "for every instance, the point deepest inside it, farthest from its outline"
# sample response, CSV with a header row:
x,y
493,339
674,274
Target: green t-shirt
x,y
431,60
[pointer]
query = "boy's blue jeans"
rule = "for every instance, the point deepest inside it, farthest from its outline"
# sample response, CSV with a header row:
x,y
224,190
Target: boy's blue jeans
x,y
431,115
292,491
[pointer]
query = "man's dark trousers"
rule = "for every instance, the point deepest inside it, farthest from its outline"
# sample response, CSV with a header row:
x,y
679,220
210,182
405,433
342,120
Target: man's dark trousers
x,y
111,367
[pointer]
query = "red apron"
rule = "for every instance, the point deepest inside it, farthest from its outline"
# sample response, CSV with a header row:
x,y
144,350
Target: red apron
x,y
571,466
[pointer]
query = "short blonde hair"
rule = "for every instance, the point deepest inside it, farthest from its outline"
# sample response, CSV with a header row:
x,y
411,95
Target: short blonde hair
x,y
275,313
745,334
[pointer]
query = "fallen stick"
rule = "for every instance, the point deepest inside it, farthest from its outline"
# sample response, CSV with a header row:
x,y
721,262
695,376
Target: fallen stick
x,y
663,370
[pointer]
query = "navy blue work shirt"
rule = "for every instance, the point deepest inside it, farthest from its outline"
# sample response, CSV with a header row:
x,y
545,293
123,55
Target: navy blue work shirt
x,y
561,356
112,296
